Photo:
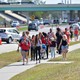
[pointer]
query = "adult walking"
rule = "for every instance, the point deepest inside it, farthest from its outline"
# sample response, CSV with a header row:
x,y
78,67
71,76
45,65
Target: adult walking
x,y
71,32
33,48
25,46
47,45
38,44
67,33
50,35
28,38
64,46
58,39
76,33
21,38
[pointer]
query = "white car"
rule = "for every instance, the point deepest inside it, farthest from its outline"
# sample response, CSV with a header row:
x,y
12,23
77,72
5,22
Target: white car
x,y
15,23
9,34
76,25
41,22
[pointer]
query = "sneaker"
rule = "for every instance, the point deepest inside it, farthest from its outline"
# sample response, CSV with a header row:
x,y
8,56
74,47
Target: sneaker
x,y
39,61
23,64
36,62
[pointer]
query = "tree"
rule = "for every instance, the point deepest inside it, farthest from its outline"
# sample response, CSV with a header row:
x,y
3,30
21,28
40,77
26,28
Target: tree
x,y
39,2
37,14
35,1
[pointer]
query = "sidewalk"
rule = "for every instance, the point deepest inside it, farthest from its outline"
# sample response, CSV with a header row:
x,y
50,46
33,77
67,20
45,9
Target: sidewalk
x,y
13,69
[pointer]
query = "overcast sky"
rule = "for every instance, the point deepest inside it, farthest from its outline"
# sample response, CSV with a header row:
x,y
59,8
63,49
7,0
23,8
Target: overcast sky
x,y
59,1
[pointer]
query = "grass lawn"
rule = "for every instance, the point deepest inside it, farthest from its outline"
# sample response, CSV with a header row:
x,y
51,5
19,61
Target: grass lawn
x,y
1,19
72,43
79,32
22,29
8,58
54,71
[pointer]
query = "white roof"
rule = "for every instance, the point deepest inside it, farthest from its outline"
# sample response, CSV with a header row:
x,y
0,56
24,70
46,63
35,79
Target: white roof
x,y
7,28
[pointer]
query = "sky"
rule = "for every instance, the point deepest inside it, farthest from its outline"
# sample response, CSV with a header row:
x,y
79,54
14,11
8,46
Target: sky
x,y
59,1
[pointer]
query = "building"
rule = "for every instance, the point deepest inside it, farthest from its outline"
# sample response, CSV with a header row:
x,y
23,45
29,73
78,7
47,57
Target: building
x,y
10,1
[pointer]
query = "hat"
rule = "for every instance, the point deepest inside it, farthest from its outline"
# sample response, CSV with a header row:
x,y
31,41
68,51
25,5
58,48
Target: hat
x,y
52,39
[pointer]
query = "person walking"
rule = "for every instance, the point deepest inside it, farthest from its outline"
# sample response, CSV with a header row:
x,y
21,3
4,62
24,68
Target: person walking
x,y
67,33
25,46
33,48
38,44
51,34
64,46
58,39
71,32
21,38
52,47
76,34
28,39
47,46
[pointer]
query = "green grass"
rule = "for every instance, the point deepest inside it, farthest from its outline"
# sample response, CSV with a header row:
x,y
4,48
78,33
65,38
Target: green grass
x,y
8,58
1,19
79,32
54,71
73,43
22,28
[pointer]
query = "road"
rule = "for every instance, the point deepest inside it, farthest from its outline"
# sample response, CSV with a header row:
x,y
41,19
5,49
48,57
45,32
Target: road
x,y
13,46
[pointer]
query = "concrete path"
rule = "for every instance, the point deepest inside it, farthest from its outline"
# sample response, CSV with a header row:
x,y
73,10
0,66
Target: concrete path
x,y
8,47
13,69
59,62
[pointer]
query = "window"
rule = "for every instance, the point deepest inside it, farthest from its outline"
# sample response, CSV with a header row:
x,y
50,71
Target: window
x,y
2,30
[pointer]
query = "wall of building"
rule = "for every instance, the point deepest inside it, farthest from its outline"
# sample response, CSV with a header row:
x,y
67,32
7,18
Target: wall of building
x,y
9,1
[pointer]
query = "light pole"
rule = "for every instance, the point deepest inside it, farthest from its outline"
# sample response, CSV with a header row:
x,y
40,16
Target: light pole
x,y
65,1
62,1
70,1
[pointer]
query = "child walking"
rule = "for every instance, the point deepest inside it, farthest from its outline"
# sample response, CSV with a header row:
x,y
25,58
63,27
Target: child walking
x,y
52,47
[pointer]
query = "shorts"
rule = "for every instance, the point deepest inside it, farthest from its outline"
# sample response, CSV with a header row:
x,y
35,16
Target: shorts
x,y
64,47
23,53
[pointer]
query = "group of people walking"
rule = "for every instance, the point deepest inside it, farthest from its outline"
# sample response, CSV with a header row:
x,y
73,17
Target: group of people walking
x,y
39,45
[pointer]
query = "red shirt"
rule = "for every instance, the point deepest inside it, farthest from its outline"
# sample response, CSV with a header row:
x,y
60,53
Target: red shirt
x,y
67,33
43,40
24,46
76,31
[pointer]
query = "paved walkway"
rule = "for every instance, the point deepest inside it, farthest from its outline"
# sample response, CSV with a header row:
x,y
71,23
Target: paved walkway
x,y
13,69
